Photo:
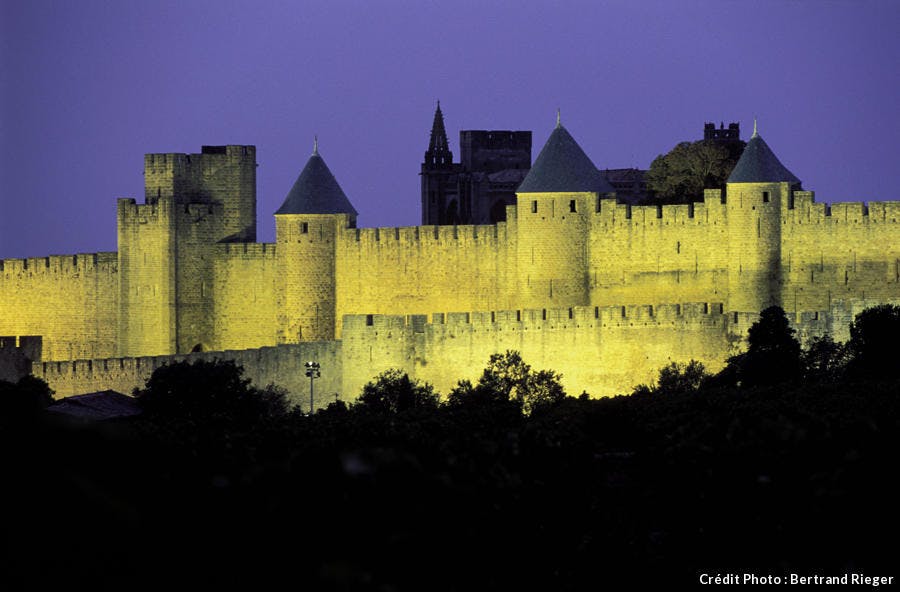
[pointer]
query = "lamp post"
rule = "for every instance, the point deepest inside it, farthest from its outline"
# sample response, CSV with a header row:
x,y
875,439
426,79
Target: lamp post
x,y
312,370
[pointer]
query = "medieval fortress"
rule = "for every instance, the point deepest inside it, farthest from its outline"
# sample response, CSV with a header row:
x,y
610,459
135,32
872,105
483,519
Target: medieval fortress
x,y
604,292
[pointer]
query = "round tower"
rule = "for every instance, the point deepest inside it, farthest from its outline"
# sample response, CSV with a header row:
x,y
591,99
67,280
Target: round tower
x,y
553,214
758,192
307,226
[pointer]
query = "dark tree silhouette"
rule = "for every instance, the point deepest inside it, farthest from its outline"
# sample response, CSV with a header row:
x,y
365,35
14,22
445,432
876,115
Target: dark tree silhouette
x,y
509,380
678,378
208,390
773,353
874,338
24,400
683,173
393,391
824,359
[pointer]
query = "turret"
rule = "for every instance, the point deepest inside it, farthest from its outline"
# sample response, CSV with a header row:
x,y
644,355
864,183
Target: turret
x,y
758,192
553,206
306,229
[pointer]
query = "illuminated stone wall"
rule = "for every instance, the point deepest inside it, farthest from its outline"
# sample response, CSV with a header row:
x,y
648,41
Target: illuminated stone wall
x,y
243,305
70,300
417,270
845,252
601,350
578,273
282,365
668,253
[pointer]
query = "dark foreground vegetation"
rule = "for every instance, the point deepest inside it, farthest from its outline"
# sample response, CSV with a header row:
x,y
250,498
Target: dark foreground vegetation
x,y
784,462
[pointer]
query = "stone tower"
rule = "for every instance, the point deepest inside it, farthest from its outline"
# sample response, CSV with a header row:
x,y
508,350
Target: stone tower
x,y
306,229
758,192
553,215
191,202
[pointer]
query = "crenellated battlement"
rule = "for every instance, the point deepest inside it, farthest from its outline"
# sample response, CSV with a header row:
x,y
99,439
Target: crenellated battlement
x,y
538,319
129,210
246,250
281,364
711,211
103,262
568,279
803,209
408,235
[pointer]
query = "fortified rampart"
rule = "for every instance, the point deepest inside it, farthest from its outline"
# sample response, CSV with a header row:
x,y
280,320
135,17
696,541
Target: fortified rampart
x,y
592,284
243,311
281,365
842,252
416,270
600,350
70,300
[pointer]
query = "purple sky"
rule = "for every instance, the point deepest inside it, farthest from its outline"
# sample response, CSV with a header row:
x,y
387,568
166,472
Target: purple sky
x,y
88,87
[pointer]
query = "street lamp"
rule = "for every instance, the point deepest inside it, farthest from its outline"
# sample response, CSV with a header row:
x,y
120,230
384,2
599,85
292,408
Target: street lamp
x,y
312,371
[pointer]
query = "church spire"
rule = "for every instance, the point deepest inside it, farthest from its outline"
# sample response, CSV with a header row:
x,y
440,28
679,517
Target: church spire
x,y
438,152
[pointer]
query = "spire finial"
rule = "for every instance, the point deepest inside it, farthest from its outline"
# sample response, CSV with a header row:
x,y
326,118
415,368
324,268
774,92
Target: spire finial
x,y
315,145
755,133
558,123
438,104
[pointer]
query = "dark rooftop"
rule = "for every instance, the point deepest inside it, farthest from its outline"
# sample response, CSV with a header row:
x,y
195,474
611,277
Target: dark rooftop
x,y
316,191
563,166
98,406
758,164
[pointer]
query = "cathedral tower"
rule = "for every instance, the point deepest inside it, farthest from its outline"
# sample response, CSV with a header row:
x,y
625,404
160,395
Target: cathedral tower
x,y
439,200
306,228
477,189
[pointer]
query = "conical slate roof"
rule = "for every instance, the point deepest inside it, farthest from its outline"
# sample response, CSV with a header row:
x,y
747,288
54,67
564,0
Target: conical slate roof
x,y
563,166
758,164
316,191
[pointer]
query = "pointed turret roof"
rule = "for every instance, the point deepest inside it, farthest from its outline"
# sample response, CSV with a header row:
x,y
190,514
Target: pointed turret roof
x,y
316,191
758,164
563,166
438,141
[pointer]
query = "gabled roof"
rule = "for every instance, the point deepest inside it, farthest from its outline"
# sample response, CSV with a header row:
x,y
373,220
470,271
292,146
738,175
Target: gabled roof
x,y
758,164
563,166
316,191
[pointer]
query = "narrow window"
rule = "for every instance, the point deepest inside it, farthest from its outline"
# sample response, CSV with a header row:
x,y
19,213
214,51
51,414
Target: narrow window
x,y
534,207
765,197
572,205
370,320
304,227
